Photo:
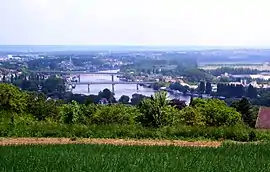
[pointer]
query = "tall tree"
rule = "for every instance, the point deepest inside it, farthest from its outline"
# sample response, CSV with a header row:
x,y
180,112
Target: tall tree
x,y
251,92
179,104
124,99
137,99
12,78
4,78
107,94
12,99
245,108
202,87
208,88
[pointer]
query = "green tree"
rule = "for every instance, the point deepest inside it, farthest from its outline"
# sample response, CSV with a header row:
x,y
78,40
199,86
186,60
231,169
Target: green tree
x,y
244,107
201,87
217,113
251,92
179,87
4,78
155,111
107,94
114,114
208,88
179,104
137,99
12,78
124,99
54,84
192,116
71,113
41,108
12,100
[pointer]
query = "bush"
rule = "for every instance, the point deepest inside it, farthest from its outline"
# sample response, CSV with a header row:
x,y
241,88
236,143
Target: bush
x,y
192,116
114,114
41,109
71,113
156,112
217,113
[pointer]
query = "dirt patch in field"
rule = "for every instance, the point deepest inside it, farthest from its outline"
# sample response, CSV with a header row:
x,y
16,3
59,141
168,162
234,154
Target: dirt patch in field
x,y
29,141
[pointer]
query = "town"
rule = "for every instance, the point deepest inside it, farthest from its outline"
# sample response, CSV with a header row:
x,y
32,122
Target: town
x,y
190,73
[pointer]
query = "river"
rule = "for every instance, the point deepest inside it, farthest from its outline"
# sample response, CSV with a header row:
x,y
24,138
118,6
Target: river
x,y
120,89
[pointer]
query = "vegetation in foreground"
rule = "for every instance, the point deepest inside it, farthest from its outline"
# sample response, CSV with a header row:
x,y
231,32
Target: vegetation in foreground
x,y
233,157
26,114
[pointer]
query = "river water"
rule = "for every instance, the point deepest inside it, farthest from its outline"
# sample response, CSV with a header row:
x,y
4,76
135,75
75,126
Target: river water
x,y
119,89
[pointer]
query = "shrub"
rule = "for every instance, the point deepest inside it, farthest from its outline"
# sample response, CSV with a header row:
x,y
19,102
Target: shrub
x,y
192,116
217,113
114,114
41,108
156,112
71,113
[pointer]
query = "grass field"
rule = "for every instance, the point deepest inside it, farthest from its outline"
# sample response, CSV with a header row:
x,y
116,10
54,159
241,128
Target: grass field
x,y
82,157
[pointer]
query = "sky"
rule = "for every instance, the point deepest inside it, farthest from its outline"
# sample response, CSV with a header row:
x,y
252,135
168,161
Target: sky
x,y
135,22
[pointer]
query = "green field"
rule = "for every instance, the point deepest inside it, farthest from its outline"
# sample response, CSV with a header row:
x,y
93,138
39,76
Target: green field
x,y
96,158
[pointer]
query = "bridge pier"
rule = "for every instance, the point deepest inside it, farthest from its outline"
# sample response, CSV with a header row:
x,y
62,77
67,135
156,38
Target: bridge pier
x,y
113,84
113,88
88,88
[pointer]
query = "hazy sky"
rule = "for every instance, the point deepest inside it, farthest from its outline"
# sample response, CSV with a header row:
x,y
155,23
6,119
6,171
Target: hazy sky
x,y
135,22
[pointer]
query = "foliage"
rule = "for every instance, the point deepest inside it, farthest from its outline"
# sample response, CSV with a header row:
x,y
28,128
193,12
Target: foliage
x,y
192,116
154,117
208,88
41,108
263,99
233,71
230,90
124,99
179,104
251,92
201,87
249,113
155,111
196,75
53,84
71,113
216,112
179,87
114,114
107,94
12,99
137,99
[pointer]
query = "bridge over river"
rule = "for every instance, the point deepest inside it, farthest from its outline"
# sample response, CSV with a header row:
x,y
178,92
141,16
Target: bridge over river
x,y
113,83
75,72
78,73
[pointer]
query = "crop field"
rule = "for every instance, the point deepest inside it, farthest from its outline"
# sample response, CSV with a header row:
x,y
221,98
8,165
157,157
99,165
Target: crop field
x,y
87,157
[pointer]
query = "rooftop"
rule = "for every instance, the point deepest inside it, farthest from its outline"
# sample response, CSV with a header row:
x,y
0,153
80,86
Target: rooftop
x,y
263,119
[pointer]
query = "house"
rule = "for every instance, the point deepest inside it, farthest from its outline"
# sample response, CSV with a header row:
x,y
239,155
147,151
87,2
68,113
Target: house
x,y
263,119
103,101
